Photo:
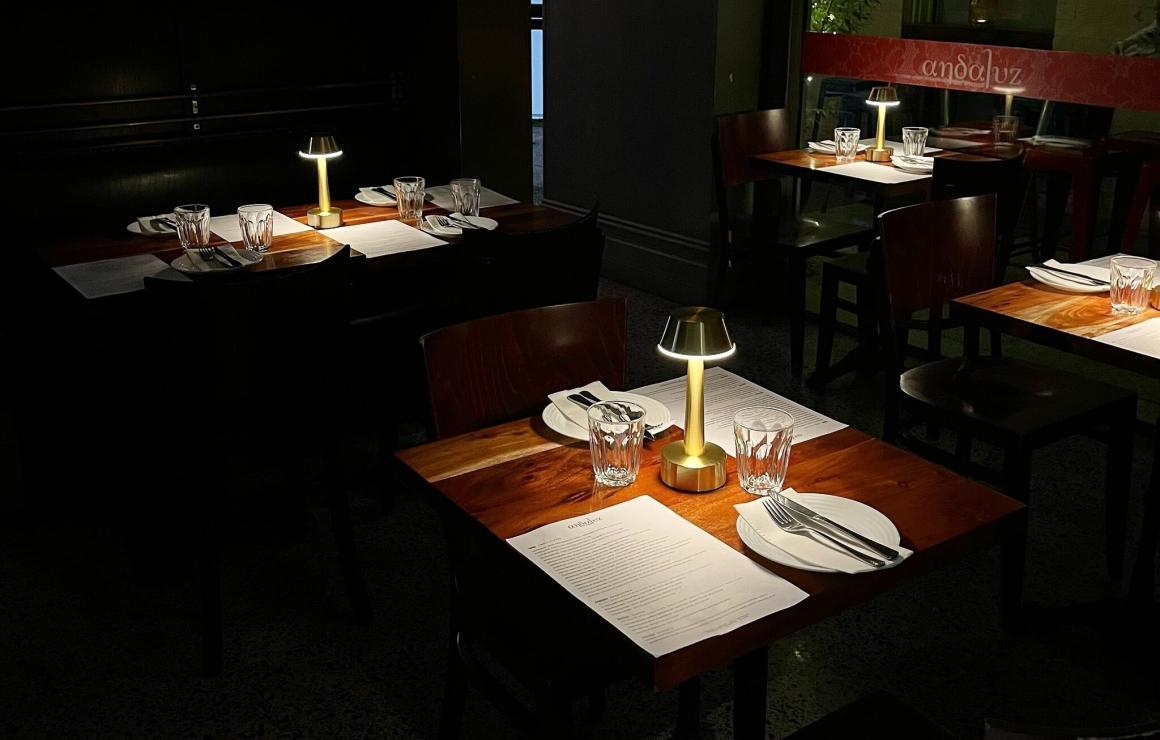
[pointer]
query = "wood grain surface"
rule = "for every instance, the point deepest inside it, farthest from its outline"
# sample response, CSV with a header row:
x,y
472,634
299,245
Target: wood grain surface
x,y
518,476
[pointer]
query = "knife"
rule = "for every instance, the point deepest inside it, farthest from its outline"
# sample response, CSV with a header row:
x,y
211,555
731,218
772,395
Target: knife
x,y
383,191
886,552
1090,280
232,262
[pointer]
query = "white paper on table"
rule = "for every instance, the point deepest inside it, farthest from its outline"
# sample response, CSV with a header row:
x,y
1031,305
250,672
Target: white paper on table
x,y
228,228
725,395
896,145
874,172
112,276
441,196
656,577
1142,338
383,237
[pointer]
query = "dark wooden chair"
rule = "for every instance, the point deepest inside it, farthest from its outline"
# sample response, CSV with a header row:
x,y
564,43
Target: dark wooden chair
x,y
1003,175
509,272
481,373
775,233
1013,405
995,729
257,363
1147,192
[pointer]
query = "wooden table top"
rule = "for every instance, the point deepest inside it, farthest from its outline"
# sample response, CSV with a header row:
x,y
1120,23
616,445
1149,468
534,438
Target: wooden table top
x,y
1056,318
287,250
518,476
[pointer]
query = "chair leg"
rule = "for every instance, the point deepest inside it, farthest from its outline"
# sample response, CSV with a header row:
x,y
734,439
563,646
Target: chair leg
x,y
1012,562
356,588
827,318
211,610
797,315
454,688
867,329
1118,484
996,343
1017,474
750,683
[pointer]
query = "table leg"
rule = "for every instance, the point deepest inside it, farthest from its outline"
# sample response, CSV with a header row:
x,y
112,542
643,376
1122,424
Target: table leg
x,y
750,680
689,710
1013,555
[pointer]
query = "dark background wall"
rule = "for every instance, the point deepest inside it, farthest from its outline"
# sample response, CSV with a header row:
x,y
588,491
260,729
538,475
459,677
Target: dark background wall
x,y
132,113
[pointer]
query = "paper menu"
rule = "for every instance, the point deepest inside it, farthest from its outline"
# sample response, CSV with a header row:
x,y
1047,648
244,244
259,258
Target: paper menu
x,y
1142,338
383,237
874,172
725,394
112,276
228,228
656,577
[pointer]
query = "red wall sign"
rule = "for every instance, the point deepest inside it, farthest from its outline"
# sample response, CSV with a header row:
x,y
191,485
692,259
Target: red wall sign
x,y
1094,79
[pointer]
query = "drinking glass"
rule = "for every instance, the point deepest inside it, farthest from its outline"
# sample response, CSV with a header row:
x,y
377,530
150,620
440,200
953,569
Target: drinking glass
x,y
409,195
1005,130
914,140
1131,283
257,222
846,143
465,191
192,225
615,436
764,436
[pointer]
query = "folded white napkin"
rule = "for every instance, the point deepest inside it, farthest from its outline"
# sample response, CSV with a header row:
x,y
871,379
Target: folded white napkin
x,y
807,548
827,146
916,159
1099,273
573,412
246,257
435,227
147,227
373,196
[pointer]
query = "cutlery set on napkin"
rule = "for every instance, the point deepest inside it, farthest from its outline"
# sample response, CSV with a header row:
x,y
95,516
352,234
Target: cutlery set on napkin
x,y
455,224
827,146
1075,278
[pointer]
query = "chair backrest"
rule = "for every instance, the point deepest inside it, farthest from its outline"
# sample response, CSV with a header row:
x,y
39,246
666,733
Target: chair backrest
x,y
503,367
509,272
736,139
1001,173
1003,730
932,253
259,348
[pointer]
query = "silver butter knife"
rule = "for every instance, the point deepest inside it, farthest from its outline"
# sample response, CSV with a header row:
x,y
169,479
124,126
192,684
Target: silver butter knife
x,y
887,552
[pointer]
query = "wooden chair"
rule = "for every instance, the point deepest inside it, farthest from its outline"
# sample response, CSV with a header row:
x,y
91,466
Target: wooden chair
x,y
480,373
1013,405
952,178
1002,730
1147,191
257,364
775,232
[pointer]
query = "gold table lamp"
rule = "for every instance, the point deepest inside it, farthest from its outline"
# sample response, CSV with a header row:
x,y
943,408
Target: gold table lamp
x,y
883,98
320,149
697,335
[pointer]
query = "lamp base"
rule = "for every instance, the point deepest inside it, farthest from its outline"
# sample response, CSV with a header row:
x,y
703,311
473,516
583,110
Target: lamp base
x,y
696,473
879,155
321,219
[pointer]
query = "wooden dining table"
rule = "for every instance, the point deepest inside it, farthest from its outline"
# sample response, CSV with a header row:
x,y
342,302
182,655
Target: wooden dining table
x,y
509,479
1073,323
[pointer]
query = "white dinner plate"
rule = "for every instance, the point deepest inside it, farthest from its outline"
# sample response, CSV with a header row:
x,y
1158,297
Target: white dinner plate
x,y
1062,282
135,228
656,415
246,256
371,198
865,520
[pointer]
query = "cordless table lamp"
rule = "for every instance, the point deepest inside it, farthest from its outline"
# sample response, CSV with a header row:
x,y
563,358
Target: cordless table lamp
x,y
320,149
697,335
883,97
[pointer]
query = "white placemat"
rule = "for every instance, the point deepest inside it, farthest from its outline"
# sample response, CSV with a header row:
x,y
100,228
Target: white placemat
x,y
874,172
112,276
441,196
383,237
228,228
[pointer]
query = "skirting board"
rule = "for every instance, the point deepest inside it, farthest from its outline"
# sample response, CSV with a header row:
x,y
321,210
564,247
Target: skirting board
x,y
669,265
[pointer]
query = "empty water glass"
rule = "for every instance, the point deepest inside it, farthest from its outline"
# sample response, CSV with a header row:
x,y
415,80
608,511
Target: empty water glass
x,y
257,224
409,195
764,437
465,192
192,225
914,140
846,143
1131,279
1005,130
615,437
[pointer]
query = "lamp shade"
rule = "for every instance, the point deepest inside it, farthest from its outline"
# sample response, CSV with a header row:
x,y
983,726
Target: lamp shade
x,y
883,96
696,333
320,147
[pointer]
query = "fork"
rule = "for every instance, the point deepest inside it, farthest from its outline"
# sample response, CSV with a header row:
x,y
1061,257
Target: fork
x,y
597,399
785,521
209,253
448,223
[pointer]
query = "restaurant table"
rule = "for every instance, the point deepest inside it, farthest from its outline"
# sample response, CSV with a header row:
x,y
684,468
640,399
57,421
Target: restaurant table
x,y
510,479
1071,322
